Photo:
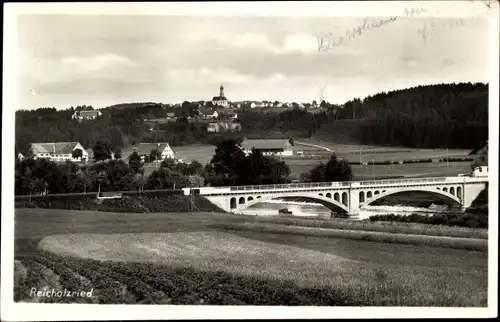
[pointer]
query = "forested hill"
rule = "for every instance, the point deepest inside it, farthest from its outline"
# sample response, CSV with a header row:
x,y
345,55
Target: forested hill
x,y
434,116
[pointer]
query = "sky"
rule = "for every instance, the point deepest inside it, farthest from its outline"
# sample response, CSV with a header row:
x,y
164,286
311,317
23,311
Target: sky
x,y
69,60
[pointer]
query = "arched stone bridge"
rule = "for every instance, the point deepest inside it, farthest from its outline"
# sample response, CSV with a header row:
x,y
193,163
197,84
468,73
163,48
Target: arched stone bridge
x,y
348,197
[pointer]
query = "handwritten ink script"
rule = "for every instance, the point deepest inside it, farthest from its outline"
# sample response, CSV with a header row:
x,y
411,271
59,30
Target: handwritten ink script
x,y
437,27
325,44
412,12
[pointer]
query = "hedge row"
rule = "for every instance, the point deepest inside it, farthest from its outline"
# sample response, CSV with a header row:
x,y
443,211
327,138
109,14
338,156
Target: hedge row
x,y
388,162
471,220
82,196
137,204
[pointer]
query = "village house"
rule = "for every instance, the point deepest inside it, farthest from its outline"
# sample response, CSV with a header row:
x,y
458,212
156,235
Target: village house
x,y
90,154
144,150
59,151
277,147
86,115
170,116
256,104
215,127
208,113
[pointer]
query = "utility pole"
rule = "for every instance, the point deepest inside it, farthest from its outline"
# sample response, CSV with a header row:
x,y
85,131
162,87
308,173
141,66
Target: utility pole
x,y
156,156
373,169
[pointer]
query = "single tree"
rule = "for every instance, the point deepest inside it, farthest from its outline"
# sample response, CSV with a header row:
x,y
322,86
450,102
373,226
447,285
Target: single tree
x,y
154,155
77,154
101,151
134,161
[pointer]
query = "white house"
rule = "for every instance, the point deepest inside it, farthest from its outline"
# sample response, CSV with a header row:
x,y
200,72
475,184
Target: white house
x,y
144,149
59,151
223,127
86,115
208,113
278,147
481,171
256,104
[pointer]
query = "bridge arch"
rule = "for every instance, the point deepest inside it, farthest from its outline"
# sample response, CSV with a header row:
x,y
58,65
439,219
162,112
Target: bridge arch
x,y
330,203
336,196
233,203
242,200
445,196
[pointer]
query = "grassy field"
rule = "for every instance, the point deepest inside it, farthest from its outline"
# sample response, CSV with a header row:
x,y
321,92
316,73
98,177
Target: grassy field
x,y
368,172
180,258
369,150
204,153
386,227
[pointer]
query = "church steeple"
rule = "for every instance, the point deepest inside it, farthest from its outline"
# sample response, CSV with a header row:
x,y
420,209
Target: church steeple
x,y
222,91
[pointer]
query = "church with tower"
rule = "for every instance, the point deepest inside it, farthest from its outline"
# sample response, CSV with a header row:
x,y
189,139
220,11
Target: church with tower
x,y
220,100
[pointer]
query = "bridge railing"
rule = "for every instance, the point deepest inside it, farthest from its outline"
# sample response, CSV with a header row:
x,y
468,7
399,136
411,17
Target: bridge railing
x,y
401,181
336,184
291,186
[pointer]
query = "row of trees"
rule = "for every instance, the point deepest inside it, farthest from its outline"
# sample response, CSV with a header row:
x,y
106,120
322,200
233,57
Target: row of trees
x,y
229,166
43,176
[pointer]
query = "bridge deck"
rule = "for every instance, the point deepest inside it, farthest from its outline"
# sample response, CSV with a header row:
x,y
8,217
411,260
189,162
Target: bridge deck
x,y
359,184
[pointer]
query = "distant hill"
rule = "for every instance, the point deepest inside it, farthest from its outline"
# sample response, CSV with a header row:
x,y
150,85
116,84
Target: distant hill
x,y
434,116
132,105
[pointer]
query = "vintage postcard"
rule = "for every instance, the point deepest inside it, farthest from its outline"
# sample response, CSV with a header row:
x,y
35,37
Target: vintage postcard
x,y
250,160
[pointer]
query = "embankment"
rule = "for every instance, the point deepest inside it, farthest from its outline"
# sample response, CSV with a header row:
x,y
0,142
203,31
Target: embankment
x,y
135,203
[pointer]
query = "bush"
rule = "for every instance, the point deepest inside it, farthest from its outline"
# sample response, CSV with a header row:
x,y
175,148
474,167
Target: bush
x,y
471,220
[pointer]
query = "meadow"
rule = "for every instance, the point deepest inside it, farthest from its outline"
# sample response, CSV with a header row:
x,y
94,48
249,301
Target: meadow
x,y
190,258
204,153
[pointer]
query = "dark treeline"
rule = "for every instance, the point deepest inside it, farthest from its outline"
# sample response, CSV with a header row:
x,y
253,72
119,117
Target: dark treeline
x,y
434,116
297,122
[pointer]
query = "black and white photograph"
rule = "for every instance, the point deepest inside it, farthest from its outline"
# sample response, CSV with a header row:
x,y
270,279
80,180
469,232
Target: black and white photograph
x,y
250,160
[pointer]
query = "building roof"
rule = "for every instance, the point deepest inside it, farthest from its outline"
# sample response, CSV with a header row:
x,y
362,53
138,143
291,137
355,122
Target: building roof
x,y
206,110
480,150
56,147
89,113
219,98
146,148
264,144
